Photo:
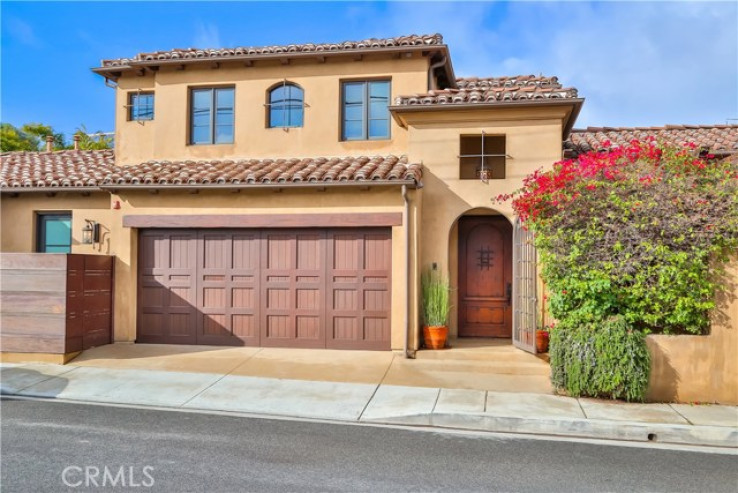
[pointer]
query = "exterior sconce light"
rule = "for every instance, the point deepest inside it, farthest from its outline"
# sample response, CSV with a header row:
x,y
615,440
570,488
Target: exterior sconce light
x,y
91,232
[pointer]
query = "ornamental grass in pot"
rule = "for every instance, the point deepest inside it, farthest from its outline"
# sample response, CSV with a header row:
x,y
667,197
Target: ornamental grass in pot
x,y
435,309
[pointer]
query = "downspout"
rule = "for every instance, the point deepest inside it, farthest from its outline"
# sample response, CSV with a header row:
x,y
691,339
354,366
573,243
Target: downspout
x,y
406,225
434,66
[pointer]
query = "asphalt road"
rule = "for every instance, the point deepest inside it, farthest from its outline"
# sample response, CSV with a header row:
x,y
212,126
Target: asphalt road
x,y
45,444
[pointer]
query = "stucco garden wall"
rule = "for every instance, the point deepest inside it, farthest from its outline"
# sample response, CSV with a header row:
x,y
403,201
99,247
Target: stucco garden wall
x,y
688,368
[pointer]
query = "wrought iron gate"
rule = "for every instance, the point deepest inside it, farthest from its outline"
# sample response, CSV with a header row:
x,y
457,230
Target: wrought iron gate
x,y
524,289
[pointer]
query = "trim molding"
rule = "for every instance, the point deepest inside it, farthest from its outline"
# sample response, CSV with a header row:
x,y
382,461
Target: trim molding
x,y
264,220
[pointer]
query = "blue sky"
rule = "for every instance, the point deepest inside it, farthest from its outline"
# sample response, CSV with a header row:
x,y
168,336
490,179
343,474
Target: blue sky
x,y
635,63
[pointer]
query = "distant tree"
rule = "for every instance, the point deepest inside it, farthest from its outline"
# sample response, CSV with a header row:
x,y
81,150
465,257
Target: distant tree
x,y
13,139
38,132
94,141
32,137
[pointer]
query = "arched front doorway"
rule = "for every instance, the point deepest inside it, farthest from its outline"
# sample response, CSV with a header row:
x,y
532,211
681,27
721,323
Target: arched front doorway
x,y
485,276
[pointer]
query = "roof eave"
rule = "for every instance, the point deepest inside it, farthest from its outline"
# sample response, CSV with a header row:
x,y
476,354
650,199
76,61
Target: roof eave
x,y
270,185
111,187
114,72
57,189
572,118
397,110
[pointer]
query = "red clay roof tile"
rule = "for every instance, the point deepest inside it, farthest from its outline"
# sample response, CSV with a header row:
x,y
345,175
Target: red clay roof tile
x,y
97,169
492,90
721,139
372,44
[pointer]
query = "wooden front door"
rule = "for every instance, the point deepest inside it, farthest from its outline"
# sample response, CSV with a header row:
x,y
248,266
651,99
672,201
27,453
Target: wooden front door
x,y
485,277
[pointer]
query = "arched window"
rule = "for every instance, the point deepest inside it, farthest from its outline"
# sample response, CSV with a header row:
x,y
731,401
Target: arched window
x,y
286,106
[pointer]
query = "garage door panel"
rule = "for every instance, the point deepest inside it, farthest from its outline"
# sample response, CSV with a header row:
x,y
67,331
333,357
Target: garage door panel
x,y
376,329
244,326
243,297
227,279
297,288
167,295
182,248
345,328
278,327
359,289
293,270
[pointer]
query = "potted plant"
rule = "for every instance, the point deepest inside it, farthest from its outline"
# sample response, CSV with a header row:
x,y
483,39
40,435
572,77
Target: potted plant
x,y
435,309
542,336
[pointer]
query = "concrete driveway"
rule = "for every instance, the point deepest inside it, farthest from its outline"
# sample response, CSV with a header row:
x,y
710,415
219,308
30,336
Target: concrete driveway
x,y
471,366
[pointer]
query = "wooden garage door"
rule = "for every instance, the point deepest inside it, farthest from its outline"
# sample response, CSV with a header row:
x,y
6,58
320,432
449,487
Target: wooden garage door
x,y
290,288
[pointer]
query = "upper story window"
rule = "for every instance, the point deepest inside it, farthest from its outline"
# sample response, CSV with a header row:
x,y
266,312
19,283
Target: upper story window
x,y
211,115
140,106
365,110
54,232
286,106
482,157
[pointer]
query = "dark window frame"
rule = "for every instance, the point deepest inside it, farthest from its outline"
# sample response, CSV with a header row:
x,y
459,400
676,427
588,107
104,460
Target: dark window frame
x,y
213,110
366,102
41,219
493,154
132,106
285,105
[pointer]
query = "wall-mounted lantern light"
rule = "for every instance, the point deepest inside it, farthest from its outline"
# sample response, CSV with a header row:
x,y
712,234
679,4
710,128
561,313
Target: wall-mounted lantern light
x,y
91,232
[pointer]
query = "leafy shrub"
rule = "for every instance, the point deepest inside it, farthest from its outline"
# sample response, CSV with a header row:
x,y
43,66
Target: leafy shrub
x,y
600,359
435,298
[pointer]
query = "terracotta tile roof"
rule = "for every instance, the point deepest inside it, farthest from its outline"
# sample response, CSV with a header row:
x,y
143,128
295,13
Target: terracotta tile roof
x,y
722,139
492,90
372,44
55,169
264,171
96,169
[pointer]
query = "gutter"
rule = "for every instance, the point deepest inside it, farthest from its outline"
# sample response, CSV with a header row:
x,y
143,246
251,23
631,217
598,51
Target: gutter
x,y
268,186
112,187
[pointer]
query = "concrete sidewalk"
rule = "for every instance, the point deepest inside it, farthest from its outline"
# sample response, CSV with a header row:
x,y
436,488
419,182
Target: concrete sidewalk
x,y
470,409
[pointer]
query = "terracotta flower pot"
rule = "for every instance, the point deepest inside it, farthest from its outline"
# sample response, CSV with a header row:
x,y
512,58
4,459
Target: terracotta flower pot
x,y
435,337
541,341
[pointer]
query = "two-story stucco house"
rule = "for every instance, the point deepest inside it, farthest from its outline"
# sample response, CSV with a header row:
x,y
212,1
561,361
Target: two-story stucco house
x,y
292,195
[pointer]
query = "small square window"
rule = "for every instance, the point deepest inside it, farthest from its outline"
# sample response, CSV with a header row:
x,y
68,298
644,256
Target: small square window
x,y
141,106
54,232
482,157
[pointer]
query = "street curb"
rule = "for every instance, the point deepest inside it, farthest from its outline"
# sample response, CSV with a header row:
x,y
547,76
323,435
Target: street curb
x,y
629,431
712,436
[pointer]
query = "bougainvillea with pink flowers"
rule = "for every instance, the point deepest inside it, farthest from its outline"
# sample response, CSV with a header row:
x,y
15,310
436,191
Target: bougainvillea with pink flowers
x,y
635,238
638,231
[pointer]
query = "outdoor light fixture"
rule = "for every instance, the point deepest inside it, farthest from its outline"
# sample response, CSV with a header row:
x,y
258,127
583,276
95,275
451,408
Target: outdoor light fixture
x,y
91,232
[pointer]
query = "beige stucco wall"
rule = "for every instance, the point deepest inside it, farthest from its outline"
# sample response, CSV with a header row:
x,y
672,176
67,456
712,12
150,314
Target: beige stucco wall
x,y
18,215
18,220
688,368
533,139
166,136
